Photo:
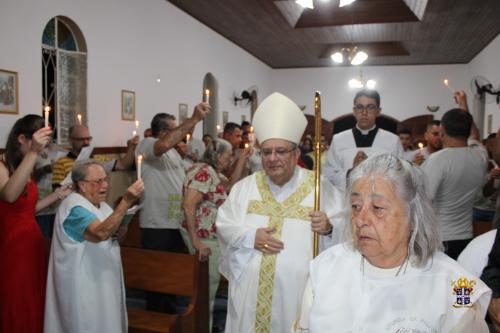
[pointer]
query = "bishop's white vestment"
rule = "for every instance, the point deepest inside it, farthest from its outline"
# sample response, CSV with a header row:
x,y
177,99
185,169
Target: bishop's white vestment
x,y
265,290
85,289
350,295
343,149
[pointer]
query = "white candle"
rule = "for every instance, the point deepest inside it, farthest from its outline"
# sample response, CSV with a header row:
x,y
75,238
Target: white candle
x,y
79,116
207,96
139,163
421,147
447,84
46,110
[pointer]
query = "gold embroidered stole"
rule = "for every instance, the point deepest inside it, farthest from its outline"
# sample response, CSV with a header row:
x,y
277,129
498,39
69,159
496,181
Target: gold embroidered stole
x,y
277,212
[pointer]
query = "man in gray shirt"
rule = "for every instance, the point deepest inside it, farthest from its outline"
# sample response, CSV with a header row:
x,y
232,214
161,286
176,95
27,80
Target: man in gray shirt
x,y
163,175
455,174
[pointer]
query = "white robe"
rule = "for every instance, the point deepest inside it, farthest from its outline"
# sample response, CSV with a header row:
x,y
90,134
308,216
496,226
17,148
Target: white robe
x,y
240,262
343,150
85,290
417,300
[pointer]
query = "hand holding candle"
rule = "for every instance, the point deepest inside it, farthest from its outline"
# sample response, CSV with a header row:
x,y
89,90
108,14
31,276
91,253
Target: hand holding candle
x,y
139,163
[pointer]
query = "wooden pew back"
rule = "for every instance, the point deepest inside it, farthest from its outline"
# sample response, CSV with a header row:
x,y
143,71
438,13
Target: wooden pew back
x,y
171,273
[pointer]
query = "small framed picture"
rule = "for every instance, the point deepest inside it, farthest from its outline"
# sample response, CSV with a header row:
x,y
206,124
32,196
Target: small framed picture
x,y
128,105
183,112
9,92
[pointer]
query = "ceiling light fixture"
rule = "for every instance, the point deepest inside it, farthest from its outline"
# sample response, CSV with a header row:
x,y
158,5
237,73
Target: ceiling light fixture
x,y
354,56
345,2
305,3
359,82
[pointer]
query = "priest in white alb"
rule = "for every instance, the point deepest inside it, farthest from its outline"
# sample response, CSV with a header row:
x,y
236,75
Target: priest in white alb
x,y
350,147
265,227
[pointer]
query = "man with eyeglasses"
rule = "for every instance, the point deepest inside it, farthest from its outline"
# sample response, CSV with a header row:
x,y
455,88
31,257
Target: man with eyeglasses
x,y
265,227
351,147
79,137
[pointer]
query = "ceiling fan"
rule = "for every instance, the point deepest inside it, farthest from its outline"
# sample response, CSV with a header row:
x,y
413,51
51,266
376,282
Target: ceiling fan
x,y
483,88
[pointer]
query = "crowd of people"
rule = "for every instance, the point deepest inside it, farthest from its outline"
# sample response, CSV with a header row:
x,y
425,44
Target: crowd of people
x,y
393,218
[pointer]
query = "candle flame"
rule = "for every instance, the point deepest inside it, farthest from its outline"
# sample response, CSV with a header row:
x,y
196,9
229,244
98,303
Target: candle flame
x,y
137,124
246,145
420,145
207,92
134,133
46,108
188,136
446,82
251,129
139,158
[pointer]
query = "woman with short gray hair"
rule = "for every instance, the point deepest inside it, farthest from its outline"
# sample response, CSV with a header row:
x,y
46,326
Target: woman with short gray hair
x,y
391,275
85,261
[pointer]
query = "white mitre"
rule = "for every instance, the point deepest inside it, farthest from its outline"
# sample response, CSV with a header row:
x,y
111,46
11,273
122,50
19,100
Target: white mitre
x,y
278,117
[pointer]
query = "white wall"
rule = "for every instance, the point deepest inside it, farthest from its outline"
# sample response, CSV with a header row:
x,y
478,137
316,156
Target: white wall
x,y
130,43
486,64
405,91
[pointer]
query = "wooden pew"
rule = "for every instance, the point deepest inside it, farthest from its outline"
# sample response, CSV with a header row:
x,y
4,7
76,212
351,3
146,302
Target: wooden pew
x,y
169,273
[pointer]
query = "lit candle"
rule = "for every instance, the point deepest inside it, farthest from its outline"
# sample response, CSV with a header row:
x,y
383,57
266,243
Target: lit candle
x,y
218,128
207,96
421,147
137,124
188,136
447,84
251,136
247,145
79,116
139,163
134,133
46,110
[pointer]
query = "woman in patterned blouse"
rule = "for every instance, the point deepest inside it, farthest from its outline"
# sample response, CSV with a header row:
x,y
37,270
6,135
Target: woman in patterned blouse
x,y
205,190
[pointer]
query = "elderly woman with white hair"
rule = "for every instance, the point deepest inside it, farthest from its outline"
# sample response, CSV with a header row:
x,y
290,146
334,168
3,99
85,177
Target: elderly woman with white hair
x,y
85,290
391,274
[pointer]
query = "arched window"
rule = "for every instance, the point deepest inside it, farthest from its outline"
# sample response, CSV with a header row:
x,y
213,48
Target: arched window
x,y
64,75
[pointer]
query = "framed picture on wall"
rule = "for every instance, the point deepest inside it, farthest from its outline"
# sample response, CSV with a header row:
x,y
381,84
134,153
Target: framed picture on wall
x,y
183,112
128,105
225,118
9,92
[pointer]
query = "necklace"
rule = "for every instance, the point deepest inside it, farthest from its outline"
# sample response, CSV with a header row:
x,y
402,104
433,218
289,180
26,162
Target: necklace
x,y
403,264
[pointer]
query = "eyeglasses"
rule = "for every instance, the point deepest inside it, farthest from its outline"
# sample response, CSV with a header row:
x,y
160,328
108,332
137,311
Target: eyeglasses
x,y
88,138
98,181
279,152
370,108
